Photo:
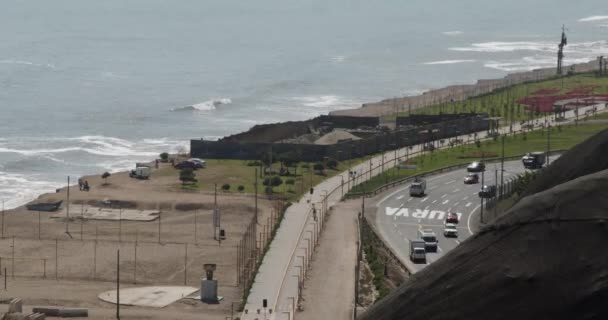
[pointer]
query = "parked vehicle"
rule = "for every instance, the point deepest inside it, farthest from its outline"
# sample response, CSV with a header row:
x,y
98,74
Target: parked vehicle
x,y
429,238
471,178
450,231
417,251
476,166
451,218
534,160
140,173
198,162
186,164
418,188
487,192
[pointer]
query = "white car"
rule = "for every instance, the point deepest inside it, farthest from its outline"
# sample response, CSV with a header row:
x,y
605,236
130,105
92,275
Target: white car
x,y
450,230
198,162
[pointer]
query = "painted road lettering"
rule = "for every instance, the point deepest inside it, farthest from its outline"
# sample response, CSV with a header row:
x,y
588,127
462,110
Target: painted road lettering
x,y
418,213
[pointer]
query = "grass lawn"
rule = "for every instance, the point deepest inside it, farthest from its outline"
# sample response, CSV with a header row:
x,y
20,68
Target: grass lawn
x,y
239,173
503,103
561,138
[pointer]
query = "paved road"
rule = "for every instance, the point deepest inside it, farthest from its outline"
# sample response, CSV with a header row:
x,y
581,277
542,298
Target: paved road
x,y
399,216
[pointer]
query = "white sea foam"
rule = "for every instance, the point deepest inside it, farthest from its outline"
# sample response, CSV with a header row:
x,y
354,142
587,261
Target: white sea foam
x,y
529,63
593,18
329,102
338,59
18,189
29,63
205,106
592,47
451,61
453,33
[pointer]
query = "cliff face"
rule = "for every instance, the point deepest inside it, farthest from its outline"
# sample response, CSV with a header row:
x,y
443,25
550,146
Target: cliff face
x,y
544,259
457,92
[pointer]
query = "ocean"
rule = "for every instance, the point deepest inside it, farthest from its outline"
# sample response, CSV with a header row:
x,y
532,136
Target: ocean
x,y
94,86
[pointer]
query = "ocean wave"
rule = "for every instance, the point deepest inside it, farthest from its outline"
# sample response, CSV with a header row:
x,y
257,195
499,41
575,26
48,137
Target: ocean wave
x,y
530,63
19,189
205,106
451,61
593,18
581,48
330,102
452,33
29,63
338,59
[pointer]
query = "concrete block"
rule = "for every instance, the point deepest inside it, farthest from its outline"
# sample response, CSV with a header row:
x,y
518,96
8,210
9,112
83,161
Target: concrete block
x,y
16,306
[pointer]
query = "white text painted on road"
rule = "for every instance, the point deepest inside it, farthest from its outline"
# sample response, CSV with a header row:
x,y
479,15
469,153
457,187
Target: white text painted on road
x,y
418,213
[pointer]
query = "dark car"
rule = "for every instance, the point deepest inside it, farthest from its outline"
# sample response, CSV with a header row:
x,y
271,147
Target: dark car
x,y
471,178
186,164
487,192
476,166
451,218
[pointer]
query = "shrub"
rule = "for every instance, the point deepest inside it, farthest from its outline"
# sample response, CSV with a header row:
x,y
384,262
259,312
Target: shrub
x,y
332,163
241,188
187,175
268,190
105,177
290,181
164,157
319,167
226,187
305,166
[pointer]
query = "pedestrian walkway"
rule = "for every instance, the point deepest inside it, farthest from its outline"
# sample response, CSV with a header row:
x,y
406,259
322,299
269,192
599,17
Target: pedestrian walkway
x,y
285,266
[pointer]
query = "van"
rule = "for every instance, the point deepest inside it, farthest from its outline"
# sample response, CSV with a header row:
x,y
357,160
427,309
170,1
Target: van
x,y
418,188
429,238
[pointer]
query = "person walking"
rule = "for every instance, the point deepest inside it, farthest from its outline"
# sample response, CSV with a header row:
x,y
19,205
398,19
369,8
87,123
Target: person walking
x,y
80,184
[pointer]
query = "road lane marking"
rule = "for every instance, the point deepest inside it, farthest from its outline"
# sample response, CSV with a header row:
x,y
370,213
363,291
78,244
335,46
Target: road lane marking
x,y
457,203
465,198
456,190
434,201
457,242
469,219
425,208
443,196
400,197
423,200
451,181
468,204
433,187
410,199
446,201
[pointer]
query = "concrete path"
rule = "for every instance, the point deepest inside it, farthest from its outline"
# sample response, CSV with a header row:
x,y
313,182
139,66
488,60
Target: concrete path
x,y
329,293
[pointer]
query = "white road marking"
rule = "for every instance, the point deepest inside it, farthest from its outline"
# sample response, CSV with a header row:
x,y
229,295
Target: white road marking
x,y
457,203
446,201
425,208
400,197
468,204
457,242
434,201
410,199
465,198
443,196
423,200
456,190
439,249
433,187
469,219
451,181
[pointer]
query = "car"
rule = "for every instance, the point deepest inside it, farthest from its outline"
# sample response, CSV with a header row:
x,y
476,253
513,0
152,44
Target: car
x,y
487,192
186,164
471,178
451,218
429,238
450,231
198,162
476,166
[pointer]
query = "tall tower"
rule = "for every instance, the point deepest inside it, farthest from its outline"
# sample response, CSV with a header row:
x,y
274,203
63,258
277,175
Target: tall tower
x,y
560,52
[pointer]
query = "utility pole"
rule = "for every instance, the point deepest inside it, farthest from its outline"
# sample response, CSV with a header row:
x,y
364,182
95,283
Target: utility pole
x,y
255,187
2,218
502,167
215,213
67,209
482,185
548,141
118,284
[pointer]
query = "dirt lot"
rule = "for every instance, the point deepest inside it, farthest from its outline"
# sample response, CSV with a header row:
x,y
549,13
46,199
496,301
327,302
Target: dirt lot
x,y
51,267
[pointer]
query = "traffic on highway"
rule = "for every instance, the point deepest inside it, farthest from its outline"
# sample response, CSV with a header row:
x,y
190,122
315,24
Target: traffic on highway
x,y
429,217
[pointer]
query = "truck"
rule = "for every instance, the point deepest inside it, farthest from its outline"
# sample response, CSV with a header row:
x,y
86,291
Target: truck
x,y
533,160
429,238
417,251
140,172
418,187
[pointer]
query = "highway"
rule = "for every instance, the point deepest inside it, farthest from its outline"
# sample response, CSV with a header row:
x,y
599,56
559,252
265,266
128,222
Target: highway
x,y
399,216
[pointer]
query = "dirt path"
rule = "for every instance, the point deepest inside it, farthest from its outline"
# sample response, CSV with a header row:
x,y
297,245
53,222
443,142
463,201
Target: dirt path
x,y
329,290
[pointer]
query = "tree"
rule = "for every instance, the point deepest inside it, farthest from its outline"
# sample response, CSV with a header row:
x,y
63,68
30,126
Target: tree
x,y
288,159
272,181
105,177
164,157
187,175
226,187
319,167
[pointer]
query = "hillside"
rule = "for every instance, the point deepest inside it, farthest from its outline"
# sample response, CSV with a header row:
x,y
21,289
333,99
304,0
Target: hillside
x,y
544,259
